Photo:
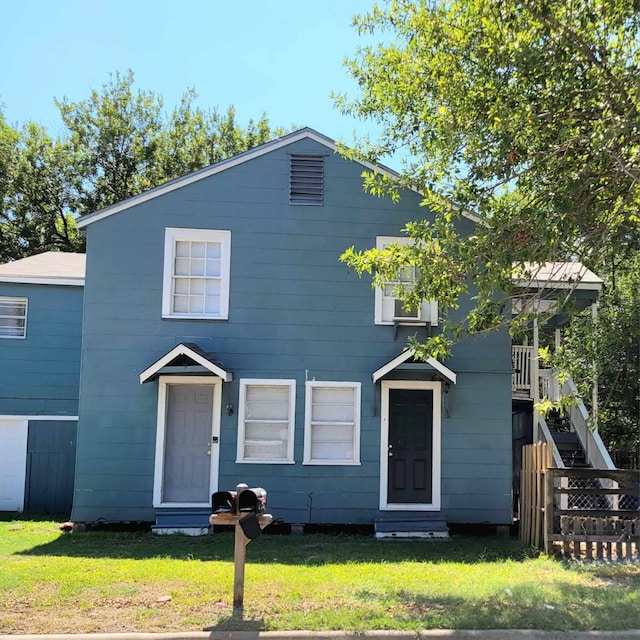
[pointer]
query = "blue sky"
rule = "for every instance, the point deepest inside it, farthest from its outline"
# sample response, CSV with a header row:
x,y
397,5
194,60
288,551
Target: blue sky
x,y
282,57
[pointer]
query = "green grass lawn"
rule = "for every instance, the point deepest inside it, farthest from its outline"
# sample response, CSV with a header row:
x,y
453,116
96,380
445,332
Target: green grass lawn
x,y
108,582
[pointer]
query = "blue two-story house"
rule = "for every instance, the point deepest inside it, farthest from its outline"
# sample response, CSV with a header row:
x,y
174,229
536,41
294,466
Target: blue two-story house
x,y
225,342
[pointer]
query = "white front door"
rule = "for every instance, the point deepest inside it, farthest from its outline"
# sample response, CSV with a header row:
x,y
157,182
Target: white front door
x,y
187,440
13,463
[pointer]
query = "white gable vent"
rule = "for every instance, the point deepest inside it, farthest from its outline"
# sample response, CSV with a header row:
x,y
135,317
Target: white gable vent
x,y
307,180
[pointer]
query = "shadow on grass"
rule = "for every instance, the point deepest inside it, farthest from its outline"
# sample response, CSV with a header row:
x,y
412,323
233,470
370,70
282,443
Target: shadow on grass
x,y
311,550
15,516
236,623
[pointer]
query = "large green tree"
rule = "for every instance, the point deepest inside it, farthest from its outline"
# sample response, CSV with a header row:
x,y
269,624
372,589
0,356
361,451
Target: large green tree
x,y
608,345
9,139
525,112
115,144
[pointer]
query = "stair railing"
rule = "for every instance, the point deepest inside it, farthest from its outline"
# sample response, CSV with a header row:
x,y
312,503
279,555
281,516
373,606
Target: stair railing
x,y
522,378
544,435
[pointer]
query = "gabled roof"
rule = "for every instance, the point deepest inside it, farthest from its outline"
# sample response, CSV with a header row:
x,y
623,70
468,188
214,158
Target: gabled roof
x,y
558,275
409,354
301,134
51,267
190,353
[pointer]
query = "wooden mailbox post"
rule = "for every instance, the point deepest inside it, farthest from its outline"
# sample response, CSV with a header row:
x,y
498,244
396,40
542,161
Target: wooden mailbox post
x,y
248,526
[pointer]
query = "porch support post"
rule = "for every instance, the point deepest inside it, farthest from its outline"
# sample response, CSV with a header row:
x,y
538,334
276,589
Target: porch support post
x,y
594,384
535,376
535,373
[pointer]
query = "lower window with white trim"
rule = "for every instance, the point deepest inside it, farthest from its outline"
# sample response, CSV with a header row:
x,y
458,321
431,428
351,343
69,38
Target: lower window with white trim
x,y
332,423
266,421
13,317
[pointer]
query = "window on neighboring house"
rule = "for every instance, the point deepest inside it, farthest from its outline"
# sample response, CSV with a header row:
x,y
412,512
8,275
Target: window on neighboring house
x,y
392,310
332,423
196,274
266,421
306,184
13,317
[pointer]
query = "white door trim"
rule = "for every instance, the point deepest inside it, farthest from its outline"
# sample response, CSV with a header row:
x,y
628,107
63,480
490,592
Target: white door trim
x,y
13,474
436,387
163,384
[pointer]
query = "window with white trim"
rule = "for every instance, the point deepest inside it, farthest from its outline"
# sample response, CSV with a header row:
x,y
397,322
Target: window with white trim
x,y
332,423
266,417
13,317
196,274
390,309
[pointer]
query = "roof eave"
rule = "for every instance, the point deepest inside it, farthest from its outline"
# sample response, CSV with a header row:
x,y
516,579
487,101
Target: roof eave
x,y
440,368
183,350
66,282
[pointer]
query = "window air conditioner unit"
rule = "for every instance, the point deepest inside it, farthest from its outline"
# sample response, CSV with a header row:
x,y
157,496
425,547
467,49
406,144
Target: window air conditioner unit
x,y
400,313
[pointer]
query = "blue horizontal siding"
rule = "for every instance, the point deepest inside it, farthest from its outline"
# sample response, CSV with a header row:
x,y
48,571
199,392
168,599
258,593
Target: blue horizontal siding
x,y
295,312
40,374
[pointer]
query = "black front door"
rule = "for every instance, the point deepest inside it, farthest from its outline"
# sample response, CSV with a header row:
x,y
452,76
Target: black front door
x,y
410,452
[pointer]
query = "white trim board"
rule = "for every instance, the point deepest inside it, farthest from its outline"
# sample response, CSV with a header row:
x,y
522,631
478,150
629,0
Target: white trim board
x,y
57,418
161,423
184,350
65,282
407,354
436,387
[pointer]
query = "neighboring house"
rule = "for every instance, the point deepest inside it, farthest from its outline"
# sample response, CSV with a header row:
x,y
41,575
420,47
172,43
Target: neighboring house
x,y
40,337
225,342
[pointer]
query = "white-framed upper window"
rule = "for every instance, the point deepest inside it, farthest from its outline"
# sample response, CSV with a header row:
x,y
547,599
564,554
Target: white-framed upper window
x,y
391,310
196,274
13,317
332,423
266,418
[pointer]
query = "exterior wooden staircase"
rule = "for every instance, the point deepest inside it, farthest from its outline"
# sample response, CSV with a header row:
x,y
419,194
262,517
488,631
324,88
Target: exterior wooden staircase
x,y
574,456
567,441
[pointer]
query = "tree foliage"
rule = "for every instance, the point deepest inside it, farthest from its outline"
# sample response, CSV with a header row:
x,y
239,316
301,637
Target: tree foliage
x,y
609,347
525,113
114,144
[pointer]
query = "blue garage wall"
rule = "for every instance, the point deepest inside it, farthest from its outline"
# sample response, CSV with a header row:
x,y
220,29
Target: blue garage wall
x,y
51,447
40,374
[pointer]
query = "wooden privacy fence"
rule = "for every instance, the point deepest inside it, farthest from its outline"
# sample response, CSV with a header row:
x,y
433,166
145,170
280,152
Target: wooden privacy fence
x,y
581,513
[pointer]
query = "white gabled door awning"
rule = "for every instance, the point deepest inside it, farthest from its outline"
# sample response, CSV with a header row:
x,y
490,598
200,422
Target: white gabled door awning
x,y
188,359
409,354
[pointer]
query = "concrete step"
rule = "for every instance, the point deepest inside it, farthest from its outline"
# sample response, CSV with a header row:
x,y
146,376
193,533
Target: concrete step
x,y
425,528
190,521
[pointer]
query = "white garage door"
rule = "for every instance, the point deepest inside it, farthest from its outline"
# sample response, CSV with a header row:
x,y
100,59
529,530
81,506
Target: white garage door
x,y
13,467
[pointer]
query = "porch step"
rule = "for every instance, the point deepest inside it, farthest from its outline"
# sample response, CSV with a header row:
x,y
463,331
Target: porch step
x,y
190,521
558,423
570,449
409,527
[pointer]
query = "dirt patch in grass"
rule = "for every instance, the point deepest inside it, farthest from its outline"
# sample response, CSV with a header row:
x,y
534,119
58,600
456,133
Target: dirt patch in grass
x,y
148,608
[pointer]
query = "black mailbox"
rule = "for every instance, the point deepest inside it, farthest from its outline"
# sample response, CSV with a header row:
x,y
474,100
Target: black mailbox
x,y
223,502
252,500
